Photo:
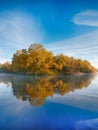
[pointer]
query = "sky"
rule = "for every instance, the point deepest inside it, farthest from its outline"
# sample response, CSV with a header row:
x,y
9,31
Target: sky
x,y
61,26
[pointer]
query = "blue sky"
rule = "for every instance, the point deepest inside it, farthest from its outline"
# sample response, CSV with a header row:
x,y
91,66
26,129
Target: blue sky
x,y
62,26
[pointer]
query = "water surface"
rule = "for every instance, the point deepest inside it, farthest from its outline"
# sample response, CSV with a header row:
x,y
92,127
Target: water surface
x,y
48,103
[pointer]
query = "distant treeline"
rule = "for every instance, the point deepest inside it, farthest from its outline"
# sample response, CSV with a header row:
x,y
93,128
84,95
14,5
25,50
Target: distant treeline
x,y
37,60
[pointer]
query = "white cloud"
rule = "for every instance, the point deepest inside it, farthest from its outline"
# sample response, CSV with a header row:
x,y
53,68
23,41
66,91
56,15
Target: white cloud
x,y
89,18
83,46
4,56
2,60
17,30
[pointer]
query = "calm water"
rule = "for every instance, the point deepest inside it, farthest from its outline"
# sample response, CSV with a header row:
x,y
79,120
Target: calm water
x,y
48,103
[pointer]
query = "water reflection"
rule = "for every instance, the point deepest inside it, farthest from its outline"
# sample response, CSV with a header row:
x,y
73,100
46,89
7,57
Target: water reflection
x,y
37,89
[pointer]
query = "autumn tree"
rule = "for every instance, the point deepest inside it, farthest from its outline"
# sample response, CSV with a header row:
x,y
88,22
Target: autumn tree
x,y
37,60
5,67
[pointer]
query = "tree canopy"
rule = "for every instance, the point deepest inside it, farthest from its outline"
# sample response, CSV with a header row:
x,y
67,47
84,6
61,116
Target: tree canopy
x,y
37,60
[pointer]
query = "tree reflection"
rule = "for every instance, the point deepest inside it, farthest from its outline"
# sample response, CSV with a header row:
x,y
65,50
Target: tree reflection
x,y
36,90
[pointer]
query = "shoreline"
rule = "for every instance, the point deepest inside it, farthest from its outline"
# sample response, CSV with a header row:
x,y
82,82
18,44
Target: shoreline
x,y
46,75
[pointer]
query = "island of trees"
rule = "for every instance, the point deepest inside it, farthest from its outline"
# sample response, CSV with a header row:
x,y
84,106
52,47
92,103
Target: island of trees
x,y
36,60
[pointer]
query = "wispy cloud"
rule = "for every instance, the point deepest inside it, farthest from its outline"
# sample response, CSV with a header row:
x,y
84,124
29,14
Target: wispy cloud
x,y
18,30
84,46
89,18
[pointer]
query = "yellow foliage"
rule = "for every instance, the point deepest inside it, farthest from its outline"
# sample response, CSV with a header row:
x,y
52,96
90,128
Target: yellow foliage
x,y
37,60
